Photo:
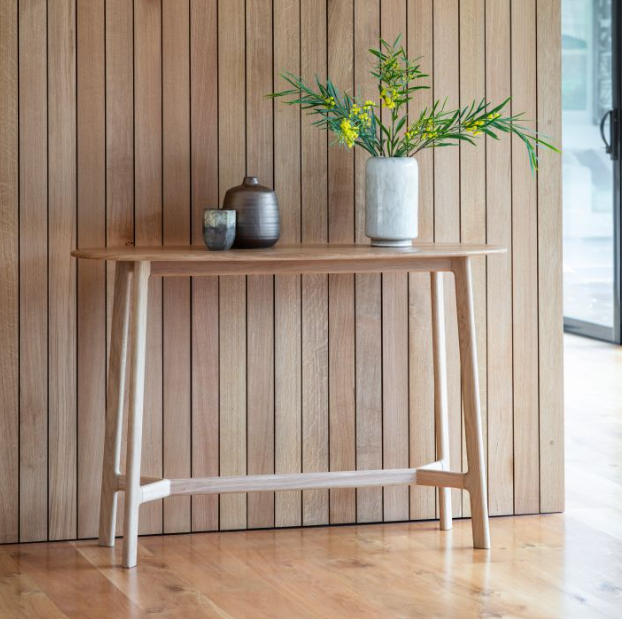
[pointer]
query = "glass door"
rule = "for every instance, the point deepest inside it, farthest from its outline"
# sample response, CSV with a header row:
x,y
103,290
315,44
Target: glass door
x,y
591,167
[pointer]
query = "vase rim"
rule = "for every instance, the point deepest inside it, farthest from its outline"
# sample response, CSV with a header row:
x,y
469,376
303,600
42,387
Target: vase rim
x,y
383,157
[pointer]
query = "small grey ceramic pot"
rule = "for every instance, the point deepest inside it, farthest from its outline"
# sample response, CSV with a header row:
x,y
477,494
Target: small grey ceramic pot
x,y
258,220
218,228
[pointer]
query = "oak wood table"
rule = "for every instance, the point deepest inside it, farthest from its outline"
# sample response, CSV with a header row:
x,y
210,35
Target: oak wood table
x,y
134,266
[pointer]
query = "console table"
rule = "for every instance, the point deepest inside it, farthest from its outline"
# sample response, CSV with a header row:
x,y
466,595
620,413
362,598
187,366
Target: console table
x,y
134,267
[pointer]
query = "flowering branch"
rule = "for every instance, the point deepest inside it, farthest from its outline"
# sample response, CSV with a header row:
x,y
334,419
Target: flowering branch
x,y
357,122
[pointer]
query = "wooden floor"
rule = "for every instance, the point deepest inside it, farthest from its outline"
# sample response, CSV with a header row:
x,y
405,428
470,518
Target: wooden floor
x,y
558,566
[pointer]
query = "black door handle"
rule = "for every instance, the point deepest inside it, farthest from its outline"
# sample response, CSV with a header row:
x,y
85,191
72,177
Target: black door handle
x,y
611,145
602,131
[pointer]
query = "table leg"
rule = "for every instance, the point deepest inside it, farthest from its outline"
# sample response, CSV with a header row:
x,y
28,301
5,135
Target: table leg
x,y
115,396
441,416
475,479
138,337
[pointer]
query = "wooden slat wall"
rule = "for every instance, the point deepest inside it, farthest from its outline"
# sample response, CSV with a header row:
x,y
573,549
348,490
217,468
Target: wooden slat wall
x,y
121,120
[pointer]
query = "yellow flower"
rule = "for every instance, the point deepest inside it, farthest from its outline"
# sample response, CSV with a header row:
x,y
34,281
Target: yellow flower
x,y
369,104
388,102
330,102
365,118
348,133
473,127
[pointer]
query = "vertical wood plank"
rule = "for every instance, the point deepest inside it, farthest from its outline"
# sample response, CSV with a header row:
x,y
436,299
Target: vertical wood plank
x,y
341,394
369,392
148,222
287,299
9,273
315,392
473,181
33,246
550,280
288,396
499,301
314,145
176,291
205,392
314,215
421,387
447,208
62,269
260,342
395,389
395,334
525,267
91,277
368,288
232,396
119,152
204,179
119,125
232,160
260,291
341,353
366,37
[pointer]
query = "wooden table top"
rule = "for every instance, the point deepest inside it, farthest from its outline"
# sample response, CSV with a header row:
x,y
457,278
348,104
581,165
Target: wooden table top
x,y
191,259
286,253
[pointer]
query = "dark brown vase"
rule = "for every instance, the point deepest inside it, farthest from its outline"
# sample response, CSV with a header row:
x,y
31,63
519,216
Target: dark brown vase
x,y
258,222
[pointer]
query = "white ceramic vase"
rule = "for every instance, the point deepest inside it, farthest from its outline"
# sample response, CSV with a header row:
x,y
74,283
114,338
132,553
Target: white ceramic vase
x,y
391,201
